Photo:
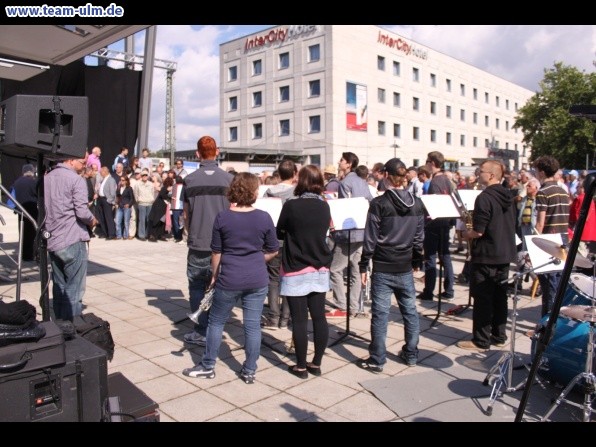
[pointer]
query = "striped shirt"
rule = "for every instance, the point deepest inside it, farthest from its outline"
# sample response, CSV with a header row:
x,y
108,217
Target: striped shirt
x,y
555,201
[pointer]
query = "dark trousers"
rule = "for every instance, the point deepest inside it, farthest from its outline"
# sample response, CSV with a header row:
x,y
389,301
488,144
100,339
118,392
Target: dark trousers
x,y
490,303
300,306
29,232
273,297
105,215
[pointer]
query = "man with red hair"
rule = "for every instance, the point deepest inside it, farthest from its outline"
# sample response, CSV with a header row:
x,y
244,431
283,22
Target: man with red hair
x,y
204,197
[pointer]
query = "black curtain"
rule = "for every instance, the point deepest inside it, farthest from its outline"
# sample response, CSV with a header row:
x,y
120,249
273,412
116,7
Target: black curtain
x,y
113,94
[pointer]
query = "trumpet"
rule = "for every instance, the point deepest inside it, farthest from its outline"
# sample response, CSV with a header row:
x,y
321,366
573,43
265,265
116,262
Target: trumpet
x,y
204,306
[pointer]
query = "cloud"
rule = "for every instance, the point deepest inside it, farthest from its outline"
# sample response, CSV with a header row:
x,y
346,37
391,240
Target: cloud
x,y
517,53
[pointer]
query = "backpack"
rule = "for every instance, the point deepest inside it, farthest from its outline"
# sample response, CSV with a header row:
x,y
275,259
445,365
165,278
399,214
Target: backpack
x,y
97,331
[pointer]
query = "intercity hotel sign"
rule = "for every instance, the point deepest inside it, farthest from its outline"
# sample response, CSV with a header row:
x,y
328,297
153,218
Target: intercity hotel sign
x,y
279,36
402,45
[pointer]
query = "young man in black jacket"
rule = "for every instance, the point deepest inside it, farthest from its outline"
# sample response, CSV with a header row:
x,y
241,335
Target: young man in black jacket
x,y
493,249
393,240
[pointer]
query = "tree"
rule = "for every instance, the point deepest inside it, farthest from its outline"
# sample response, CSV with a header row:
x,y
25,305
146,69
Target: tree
x,y
545,121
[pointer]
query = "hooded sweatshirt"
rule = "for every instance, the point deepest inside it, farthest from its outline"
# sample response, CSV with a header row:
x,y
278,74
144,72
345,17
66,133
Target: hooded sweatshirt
x,y
494,217
394,232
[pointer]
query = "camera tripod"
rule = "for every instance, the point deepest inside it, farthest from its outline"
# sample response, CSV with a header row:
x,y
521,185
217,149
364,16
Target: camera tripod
x,y
504,366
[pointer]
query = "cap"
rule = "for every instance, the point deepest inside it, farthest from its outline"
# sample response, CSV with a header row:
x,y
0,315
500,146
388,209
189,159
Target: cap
x,y
392,166
573,172
137,170
144,172
28,168
330,169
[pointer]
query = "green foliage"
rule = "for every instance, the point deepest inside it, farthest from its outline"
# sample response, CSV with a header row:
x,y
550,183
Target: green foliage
x,y
545,121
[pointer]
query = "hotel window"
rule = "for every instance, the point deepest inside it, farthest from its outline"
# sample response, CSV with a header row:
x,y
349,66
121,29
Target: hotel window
x,y
475,141
284,60
314,53
257,99
475,118
284,128
257,67
381,126
397,130
448,111
416,133
515,107
415,75
462,115
497,101
314,124
433,136
462,140
396,69
497,123
507,125
415,104
233,134
506,146
433,108
433,80
257,131
232,103
448,138
381,63
486,97
448,84
284,93
396,99
462,89
381,95
507,104
314,88
232,73
486,143
475,94
486,120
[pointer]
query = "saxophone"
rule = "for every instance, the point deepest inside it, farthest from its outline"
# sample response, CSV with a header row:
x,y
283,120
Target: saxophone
x,y
466,216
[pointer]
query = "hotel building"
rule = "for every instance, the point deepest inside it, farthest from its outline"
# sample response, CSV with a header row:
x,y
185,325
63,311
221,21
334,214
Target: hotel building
x,y
314,91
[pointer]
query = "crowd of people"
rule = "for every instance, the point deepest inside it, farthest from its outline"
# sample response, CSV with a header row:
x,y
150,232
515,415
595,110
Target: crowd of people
x,y
239,252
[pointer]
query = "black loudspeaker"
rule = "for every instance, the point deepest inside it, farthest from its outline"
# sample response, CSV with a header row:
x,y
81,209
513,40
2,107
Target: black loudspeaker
x,y
27,124
73,392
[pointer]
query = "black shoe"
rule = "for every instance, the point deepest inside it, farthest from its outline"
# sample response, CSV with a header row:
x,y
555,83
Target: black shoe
x,y
422,296
368,365
152,239
142,238
247,378
314,370
300,374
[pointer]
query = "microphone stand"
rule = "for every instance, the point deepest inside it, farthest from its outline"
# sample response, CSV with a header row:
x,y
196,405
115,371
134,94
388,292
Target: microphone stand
x,y
505,364
544,339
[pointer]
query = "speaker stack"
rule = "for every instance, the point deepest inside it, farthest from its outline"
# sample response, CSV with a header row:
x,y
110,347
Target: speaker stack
x,y
53,126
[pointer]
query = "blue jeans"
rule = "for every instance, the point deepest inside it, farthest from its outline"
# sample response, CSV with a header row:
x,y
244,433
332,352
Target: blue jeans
x,y
436,240
198,272
143,215
122,217
252,308
69,275
383,285
176,230
549,282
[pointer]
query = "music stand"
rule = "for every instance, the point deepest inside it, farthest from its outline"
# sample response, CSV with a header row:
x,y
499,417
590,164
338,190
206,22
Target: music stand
x,y
439,206
348,215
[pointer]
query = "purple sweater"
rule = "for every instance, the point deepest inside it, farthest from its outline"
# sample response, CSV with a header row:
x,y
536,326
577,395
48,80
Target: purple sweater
x,y
241,238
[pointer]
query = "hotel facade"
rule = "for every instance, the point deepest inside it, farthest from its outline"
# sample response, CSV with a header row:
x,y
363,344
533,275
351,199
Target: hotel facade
x,y
312,92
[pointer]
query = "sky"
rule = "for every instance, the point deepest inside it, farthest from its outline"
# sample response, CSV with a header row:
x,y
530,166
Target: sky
x,y
516,53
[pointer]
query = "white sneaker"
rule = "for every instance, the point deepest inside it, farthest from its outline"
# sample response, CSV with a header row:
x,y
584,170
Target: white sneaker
x,y
195,338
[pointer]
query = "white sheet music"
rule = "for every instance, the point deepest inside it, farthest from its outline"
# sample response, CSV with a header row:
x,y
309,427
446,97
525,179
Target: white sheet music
x,y
540,257
439,205
468,197
349,214
271,205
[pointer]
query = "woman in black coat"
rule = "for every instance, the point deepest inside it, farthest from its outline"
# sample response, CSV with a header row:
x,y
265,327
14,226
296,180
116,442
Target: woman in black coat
x,y
157,215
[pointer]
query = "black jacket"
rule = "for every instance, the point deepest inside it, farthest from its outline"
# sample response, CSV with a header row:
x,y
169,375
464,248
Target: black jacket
x,y
394,232
494,217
